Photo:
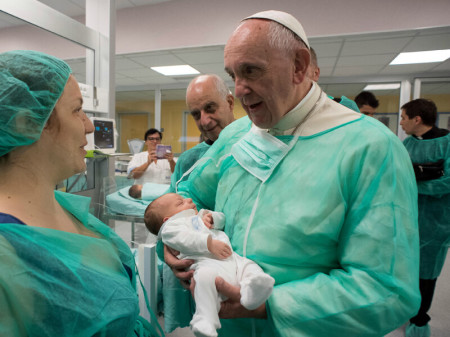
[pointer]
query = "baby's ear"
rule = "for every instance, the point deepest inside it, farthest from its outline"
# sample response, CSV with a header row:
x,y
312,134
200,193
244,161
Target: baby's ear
x,y
165,219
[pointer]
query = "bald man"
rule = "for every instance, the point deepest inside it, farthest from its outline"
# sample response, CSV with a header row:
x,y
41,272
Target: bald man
x,y
211,104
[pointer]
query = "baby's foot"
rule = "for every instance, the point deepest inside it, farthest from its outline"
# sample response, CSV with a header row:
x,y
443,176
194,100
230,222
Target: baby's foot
x,y
255,290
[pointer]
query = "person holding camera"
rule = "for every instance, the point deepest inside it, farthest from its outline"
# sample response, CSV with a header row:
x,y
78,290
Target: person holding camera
x,y
146,167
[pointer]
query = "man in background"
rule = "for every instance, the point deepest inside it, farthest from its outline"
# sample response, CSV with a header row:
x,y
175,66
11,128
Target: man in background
x,y
211,104
429,149
367,103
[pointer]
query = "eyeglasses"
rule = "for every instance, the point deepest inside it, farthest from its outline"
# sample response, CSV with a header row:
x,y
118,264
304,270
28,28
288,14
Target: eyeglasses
x,y
154,139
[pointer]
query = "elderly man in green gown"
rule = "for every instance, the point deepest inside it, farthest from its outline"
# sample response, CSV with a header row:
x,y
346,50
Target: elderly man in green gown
x,y
321,197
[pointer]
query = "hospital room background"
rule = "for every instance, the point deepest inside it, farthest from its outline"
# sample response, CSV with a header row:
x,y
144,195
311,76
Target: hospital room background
x,y
115,47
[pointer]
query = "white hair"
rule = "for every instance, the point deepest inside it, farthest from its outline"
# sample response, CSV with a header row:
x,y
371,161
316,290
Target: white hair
x,y
220,85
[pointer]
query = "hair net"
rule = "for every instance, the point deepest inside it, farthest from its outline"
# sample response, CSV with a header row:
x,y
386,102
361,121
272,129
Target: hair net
x,y
30,85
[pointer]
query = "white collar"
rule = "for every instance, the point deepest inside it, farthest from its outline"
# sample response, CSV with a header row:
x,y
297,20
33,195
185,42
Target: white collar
x,y
298,113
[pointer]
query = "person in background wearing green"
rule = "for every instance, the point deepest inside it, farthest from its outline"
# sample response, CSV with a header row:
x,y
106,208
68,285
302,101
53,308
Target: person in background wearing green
x,y
367,103
429,149
63,272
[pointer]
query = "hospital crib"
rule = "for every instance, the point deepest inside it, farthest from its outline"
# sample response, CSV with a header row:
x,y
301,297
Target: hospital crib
x,y
117,205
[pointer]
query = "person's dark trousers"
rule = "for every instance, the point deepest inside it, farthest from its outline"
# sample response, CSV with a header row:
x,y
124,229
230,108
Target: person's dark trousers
x,y
426,291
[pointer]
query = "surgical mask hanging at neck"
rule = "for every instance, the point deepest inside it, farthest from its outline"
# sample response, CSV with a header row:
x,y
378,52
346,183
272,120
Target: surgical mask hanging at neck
x,y
259,153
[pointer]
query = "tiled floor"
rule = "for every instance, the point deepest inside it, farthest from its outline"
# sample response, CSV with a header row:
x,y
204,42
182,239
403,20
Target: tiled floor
x,y
440,310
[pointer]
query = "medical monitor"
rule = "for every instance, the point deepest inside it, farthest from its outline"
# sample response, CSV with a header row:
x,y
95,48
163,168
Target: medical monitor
x,y
102,138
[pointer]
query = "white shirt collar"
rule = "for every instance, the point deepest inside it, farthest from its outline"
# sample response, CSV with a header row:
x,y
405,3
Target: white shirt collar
x,y
297,114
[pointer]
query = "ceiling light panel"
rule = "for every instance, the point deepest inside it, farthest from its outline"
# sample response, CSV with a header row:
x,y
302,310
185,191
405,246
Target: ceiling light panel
x,y
384,86
177,70
429,56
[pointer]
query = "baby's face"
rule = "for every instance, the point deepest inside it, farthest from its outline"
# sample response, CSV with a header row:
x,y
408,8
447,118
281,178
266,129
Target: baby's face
x,y
174,203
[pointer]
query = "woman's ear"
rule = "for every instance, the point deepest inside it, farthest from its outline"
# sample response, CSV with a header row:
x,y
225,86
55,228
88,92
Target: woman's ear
x,y
301,64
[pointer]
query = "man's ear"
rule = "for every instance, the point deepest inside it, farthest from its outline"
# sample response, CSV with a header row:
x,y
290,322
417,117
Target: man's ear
x,y
301,64
418,120
230,100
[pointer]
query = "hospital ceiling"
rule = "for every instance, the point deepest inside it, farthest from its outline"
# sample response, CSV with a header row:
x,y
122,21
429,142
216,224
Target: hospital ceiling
x,y
347,63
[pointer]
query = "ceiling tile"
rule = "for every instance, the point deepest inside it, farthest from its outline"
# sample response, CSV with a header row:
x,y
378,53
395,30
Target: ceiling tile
x,y
327,49
356,70
326,62
128,82
201,56
157,59
444,66
433,42
374,46
366,60
123,63
212,68
338,90
325,71
139,72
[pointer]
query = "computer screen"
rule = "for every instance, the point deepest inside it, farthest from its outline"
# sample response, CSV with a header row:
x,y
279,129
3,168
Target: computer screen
x,y
103,137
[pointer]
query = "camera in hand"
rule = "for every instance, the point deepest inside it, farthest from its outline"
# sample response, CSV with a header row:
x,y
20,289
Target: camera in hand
x,y
161,150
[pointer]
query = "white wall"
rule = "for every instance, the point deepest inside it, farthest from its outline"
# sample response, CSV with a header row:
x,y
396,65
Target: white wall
x,y
193,23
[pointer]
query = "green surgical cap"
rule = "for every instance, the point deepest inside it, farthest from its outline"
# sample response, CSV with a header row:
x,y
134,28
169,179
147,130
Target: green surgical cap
x,y
30,85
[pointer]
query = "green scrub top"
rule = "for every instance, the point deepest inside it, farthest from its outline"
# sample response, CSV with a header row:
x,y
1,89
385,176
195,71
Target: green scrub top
x,y
185,162
434,204
55,283
335,224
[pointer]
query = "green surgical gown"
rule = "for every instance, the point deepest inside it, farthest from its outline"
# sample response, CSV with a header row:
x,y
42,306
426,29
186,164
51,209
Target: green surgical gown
x,y
335,224
434,204
55,283
185,162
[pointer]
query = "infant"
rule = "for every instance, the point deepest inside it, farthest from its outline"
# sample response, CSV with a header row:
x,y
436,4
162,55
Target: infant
x,y
196,236
135,191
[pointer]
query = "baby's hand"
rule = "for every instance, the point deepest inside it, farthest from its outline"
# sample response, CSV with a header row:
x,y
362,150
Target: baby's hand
x,y
208,220
218,248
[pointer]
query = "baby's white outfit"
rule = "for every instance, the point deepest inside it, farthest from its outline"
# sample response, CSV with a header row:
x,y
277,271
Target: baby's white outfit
x,y
186,232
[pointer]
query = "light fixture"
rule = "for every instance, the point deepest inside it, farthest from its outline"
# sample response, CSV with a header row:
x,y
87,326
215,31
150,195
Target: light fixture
x,y
422,57
384,86
178,70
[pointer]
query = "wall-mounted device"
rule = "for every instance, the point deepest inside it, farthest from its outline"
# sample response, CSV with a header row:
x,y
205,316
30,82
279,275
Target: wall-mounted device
x,y
103,138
